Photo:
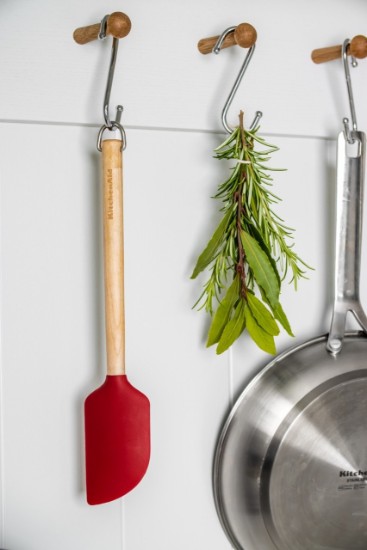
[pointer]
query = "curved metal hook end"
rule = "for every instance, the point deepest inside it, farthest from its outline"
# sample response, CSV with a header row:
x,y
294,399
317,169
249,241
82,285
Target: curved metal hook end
x,y
256,120
218,45
103,28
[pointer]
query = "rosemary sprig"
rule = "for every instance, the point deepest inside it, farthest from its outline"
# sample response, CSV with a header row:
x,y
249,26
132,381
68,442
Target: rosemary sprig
x,y
249,251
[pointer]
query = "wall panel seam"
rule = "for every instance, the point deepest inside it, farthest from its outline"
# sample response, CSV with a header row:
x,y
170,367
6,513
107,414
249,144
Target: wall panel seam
x,y
159,129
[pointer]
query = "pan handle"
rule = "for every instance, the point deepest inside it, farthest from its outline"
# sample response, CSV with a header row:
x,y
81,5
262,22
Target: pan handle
x,y
350,181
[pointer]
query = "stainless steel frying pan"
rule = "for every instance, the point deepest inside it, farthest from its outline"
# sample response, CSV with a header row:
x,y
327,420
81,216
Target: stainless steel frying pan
x,y
290,470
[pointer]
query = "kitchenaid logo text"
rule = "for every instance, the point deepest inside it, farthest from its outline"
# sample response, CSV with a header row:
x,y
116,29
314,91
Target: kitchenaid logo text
x,y
109,195
353,480
347,473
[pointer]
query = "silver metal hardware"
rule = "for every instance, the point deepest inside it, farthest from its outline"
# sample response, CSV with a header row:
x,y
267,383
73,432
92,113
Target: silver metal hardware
x,y
350,182
115,126
216,50
109,124
103,28
354,63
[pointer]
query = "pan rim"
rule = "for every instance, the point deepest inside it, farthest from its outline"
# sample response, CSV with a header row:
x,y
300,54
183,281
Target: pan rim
x,y
223,432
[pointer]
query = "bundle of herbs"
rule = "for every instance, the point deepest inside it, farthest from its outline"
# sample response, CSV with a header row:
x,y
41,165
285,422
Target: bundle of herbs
x,y
248,255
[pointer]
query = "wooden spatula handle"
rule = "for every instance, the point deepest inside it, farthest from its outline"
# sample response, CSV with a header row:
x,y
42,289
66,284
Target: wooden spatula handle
x,y
113,255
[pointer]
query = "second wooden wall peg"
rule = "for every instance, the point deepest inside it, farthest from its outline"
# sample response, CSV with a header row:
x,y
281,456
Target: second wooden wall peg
x,y
357,48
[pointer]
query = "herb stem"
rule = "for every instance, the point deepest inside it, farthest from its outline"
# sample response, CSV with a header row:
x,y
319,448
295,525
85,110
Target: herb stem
x,y
240,266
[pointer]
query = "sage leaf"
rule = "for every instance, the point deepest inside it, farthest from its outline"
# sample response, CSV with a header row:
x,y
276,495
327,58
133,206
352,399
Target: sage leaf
x,y
223,313
262,315
208,254
233,329
263,271
262,339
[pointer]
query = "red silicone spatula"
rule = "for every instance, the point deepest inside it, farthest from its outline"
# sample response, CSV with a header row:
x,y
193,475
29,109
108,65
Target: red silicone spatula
x,y
117,415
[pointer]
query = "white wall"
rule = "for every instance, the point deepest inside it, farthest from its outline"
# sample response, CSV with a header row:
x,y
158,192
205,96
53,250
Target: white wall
x,y
51,93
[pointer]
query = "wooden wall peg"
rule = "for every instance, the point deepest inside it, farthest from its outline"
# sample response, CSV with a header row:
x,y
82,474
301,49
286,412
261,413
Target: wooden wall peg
x,y
118,26
244,35
357,48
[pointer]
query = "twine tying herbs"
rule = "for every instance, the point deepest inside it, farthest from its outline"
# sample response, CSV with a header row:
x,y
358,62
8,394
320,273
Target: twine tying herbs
x,y
248,251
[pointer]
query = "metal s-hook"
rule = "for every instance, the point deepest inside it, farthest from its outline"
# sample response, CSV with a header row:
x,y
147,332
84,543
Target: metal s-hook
x,y
109,124
115,44
347,132
216,50
245,36
118,26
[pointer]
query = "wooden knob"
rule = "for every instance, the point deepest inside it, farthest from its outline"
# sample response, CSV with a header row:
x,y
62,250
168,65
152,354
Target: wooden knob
x,y
244,35
118,26
357,48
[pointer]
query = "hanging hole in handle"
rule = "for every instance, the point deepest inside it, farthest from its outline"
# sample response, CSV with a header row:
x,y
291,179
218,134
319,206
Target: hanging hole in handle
x,y
353,147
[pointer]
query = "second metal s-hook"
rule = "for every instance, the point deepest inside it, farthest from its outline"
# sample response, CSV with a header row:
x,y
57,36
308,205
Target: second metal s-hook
x,y
356,48
106,104
245,36
347,132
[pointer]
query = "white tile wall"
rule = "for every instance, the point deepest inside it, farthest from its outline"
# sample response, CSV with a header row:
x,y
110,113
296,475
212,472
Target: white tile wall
x,y
52,331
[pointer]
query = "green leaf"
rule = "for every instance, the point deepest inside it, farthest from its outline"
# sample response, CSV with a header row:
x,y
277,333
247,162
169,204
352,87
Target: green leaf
x,y
228,140
257,236
211,248
233,329
263,272
282,318
262,315
278,313
262,339
223,312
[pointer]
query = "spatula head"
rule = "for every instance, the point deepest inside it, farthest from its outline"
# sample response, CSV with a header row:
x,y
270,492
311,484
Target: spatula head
x,y
117,439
